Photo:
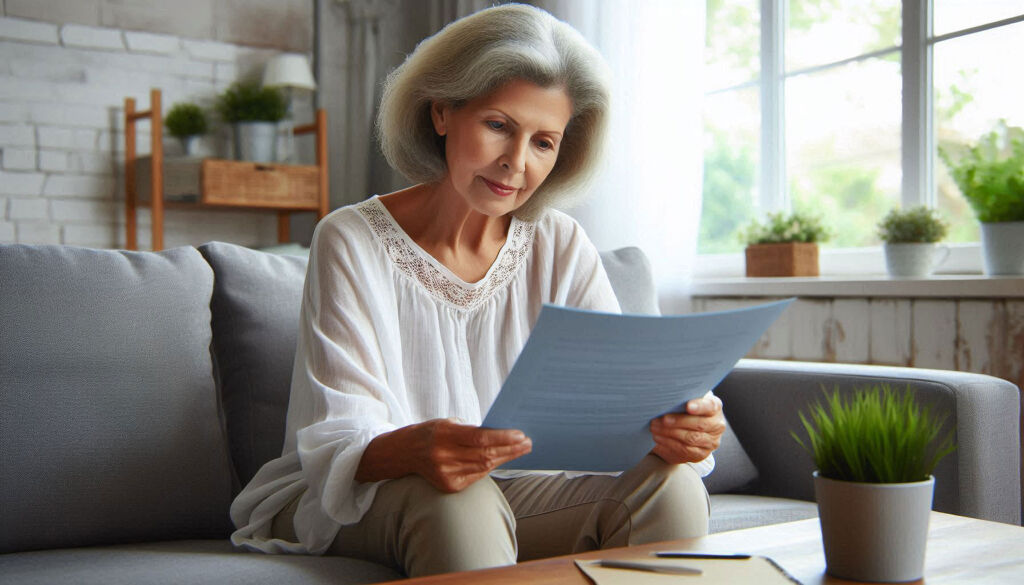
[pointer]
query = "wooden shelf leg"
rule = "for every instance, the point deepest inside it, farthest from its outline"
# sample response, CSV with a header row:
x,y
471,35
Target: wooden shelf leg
x,y
283,227
157,152
131,225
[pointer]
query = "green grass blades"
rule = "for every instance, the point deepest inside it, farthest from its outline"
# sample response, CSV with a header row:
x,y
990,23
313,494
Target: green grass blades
x,y
877,435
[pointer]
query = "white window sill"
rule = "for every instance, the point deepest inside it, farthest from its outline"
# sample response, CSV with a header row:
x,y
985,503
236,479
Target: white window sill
x,y
857,273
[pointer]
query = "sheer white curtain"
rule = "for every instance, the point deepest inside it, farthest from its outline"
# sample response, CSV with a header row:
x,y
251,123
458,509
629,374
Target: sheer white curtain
x,y
649,194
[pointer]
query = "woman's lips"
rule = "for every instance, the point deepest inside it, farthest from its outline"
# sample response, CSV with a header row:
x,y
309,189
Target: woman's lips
x,y
499,188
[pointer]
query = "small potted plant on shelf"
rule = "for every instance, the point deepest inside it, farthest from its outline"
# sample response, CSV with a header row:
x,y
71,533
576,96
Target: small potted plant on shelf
x,y
911,238
186,121
990,174
253,113
784,245
875,452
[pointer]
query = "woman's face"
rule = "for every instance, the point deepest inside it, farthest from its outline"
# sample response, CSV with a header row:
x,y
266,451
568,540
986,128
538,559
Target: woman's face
x,y
501,146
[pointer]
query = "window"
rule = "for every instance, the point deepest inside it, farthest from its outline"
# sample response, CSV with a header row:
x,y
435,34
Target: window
x,y
826,105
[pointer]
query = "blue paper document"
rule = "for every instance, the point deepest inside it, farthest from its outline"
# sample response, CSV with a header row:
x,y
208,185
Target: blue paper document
x,y
587,384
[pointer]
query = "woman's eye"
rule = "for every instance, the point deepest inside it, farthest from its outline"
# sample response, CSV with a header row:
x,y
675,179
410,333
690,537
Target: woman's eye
x,y
545,144
495,125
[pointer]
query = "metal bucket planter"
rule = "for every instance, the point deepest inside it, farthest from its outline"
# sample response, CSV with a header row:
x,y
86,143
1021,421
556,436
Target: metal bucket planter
x,y
256,141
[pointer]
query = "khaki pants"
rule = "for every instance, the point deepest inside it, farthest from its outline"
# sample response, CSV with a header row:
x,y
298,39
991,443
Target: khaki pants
x,y
419,530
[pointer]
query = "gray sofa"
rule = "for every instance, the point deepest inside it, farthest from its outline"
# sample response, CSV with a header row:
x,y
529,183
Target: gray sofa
x,y
139,391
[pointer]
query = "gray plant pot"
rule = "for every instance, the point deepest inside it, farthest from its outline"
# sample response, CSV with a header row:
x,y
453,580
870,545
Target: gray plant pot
x,y
913,260
1003,247
874,531
255,141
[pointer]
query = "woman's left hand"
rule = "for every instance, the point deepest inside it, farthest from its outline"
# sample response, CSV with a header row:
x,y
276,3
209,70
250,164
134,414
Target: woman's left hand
x,y
691,436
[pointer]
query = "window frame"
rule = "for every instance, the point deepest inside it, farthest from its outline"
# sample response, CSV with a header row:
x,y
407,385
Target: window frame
x,y
917,140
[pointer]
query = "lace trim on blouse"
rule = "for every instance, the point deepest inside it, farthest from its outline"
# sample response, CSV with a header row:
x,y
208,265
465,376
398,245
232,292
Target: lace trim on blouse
x,y
411,259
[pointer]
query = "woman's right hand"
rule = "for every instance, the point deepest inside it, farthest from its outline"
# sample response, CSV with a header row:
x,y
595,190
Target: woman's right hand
x,y
449,455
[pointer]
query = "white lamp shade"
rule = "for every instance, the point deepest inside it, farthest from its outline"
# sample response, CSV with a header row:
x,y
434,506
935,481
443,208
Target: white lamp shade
x,y
289,70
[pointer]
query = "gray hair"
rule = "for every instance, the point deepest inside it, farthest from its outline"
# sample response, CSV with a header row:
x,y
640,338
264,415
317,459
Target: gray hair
x,y
476,55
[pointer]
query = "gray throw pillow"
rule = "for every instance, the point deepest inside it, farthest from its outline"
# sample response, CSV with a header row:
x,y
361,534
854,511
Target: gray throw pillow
x,y
630,274
257,297
110,429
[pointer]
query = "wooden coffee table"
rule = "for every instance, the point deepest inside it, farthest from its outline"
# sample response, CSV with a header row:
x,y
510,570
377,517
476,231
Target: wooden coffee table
x,y
960,550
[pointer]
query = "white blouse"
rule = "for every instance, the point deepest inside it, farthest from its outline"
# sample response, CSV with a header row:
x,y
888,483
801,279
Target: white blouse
x,y
389,337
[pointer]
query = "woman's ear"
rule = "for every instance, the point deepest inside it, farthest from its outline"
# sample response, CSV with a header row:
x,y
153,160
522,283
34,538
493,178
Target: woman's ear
x,y
439,116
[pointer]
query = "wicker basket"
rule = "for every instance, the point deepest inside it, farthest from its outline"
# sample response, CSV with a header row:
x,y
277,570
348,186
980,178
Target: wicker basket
x,y
788,259
249,184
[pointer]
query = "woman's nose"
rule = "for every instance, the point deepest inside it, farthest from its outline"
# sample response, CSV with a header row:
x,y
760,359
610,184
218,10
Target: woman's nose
x,y
514,158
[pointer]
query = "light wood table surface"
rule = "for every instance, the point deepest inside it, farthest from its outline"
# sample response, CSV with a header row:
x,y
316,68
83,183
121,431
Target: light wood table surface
x,y
960,550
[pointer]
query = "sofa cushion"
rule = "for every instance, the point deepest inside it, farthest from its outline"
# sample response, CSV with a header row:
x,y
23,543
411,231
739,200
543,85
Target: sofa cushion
x,y
734,471
629,271
736,512
256,301
110,428
197,562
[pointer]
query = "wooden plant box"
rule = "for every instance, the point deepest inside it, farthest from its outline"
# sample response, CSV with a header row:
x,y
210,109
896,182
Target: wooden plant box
x,y
789,259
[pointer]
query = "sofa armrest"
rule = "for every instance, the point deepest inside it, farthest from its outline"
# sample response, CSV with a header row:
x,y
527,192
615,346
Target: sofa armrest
x,y
980,479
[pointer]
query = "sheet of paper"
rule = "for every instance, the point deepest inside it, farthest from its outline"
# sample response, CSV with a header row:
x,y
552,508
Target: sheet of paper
x,y
759,570
587,384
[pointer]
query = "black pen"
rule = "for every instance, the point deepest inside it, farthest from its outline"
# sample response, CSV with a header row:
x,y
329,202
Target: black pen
x,y
668,554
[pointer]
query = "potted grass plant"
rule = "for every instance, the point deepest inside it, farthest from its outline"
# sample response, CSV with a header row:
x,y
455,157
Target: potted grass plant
x,y
875,452
990,174
784,244
186,121
253,112
911,237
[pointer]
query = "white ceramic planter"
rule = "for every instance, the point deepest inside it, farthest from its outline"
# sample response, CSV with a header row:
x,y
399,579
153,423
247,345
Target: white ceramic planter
x,y
874,531
1003,246
190,145
914,260
256,141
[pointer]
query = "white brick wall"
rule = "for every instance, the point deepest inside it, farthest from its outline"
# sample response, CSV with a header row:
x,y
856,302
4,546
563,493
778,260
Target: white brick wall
x,y
62,91
29,31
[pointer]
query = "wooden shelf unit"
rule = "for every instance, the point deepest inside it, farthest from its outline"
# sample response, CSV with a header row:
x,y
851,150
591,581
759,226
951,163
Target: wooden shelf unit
x,y
224,184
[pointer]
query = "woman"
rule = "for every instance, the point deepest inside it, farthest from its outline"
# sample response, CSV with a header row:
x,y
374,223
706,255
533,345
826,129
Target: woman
x,y
416,305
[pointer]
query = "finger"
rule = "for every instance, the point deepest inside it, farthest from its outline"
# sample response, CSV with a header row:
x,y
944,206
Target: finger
x,y
704,424
470,436
707,405
484,460
685,438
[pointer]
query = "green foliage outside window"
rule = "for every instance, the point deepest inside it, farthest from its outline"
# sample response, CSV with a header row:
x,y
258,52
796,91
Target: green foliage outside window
x,y
729,175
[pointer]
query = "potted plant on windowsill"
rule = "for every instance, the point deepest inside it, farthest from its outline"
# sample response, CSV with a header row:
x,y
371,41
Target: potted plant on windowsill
x,y
990,175
911,238
186,122
253,113
784,245
875,452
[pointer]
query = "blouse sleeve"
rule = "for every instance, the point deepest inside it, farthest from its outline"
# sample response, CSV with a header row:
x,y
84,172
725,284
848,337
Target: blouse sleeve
x,y
340,397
